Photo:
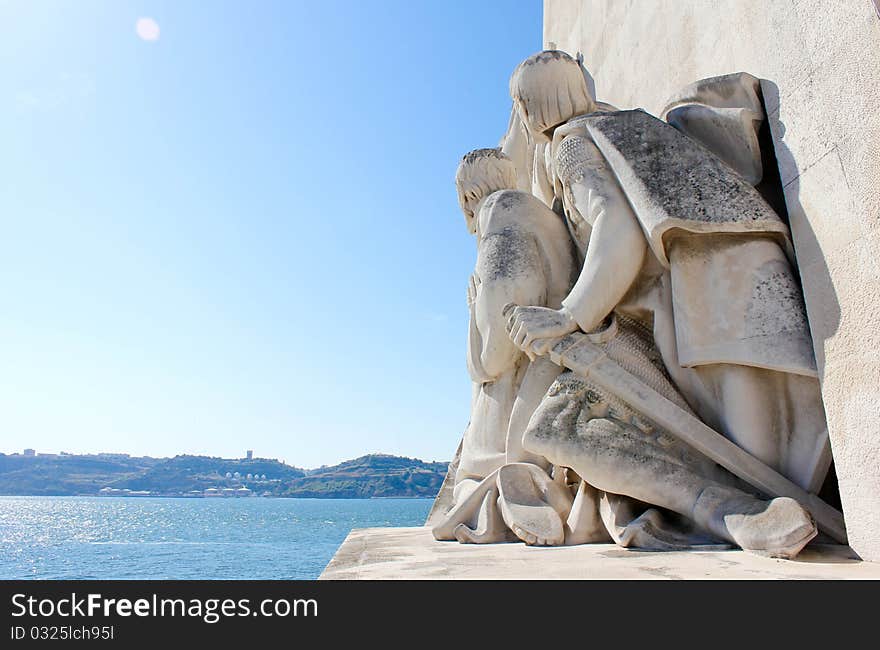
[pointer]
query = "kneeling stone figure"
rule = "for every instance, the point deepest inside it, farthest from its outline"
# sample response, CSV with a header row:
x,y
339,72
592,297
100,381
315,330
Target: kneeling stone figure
x,y
524,254
589,467
651,490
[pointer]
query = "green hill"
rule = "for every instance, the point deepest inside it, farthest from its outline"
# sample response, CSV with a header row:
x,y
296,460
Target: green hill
x,y
183,474
67,474
376,475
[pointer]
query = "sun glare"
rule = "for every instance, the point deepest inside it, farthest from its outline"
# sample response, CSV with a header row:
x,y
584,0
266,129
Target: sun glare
x,y
147,29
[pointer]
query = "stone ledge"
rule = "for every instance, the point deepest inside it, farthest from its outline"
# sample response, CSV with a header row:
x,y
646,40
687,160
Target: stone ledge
x,y
413,554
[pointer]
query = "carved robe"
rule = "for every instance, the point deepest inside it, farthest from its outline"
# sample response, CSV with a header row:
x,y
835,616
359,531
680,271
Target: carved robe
x,y
716,286
525,256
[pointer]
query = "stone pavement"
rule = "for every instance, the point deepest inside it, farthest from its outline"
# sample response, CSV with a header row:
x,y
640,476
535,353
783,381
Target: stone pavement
x,y
413,554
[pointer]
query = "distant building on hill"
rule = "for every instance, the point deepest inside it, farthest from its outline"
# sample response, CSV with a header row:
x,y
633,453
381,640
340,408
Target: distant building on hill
x,y
30,452
250,454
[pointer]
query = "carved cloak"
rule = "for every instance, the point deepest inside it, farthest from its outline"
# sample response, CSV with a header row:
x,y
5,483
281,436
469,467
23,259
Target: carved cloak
x,y
734,292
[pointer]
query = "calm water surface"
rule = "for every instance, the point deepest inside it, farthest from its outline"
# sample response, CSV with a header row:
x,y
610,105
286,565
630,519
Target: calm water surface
x,y
144,538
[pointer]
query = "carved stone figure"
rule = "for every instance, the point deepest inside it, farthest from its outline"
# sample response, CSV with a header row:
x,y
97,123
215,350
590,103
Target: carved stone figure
x,y
724,115
687,297
674,239
524,254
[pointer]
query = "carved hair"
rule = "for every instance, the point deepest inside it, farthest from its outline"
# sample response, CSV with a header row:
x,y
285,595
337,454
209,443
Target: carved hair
x,y
481,172
549,89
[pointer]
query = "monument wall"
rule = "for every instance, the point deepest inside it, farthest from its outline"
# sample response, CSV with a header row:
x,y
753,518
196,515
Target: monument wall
x,y
819,62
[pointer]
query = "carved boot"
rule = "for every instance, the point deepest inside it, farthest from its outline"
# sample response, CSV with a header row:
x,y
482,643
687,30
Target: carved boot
x,y
780,527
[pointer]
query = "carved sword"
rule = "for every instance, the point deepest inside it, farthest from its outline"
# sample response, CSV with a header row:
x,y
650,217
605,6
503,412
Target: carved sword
x,y
577,353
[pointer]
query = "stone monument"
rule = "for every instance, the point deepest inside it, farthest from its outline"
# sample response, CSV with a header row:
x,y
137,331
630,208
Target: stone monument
x,y
817,63
674,311
665,394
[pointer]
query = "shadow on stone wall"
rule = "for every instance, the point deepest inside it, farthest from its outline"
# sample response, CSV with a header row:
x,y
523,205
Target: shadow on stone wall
x,y
820,295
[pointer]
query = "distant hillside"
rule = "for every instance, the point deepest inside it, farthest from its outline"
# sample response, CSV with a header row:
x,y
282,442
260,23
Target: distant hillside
x,y
66,474
183,474
376,475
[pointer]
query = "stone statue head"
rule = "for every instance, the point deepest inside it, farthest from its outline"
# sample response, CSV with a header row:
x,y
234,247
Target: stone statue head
x,y
480,173
548,89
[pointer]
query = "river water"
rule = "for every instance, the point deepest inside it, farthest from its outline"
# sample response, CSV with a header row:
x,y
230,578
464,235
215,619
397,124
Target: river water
x,y
153,538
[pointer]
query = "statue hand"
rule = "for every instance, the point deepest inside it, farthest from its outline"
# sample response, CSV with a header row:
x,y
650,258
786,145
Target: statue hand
x,y
534,329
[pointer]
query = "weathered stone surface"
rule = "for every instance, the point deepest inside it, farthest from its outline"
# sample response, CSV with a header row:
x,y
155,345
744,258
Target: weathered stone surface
x,y
676,182
413,554
524,255
687,304
688,256
593,363
819,61
444,499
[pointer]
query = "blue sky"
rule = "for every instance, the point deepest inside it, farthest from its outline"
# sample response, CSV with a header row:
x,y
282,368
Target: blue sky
x,y
243,234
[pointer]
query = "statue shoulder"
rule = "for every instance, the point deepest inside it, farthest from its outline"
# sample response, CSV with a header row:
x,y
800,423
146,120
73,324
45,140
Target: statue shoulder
x,y
673,182
573,142
511,204
516,209
579,124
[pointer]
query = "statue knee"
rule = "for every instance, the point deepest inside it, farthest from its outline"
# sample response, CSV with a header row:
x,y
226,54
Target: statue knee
x,y
537,438
552,421
565,441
